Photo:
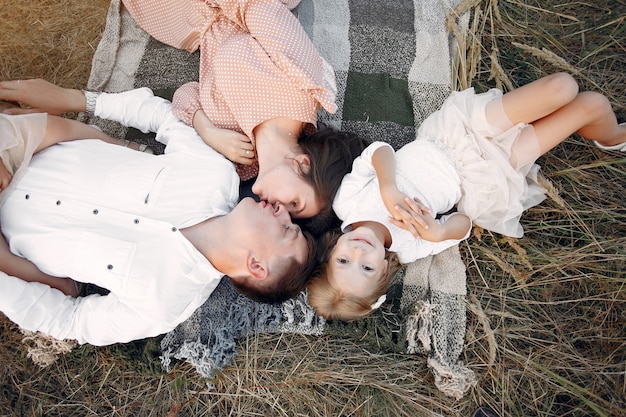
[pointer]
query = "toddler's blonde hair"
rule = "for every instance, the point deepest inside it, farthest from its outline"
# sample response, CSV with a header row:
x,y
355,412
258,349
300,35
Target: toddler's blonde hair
x,y
333,304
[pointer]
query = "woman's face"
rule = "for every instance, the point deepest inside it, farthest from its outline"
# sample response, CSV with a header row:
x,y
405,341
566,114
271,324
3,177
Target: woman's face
x,y
284,184
357,262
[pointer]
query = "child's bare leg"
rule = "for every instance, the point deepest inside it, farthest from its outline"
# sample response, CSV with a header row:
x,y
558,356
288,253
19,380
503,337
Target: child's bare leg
x,y
555,109
22,268
589,113
540,98
528,104
602,124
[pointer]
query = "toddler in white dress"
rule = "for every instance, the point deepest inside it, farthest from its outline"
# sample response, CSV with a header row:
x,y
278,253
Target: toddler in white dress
x,y
472,161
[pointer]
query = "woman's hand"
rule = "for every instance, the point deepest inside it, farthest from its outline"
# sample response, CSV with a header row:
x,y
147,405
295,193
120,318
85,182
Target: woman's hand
x,y
40,96
233,145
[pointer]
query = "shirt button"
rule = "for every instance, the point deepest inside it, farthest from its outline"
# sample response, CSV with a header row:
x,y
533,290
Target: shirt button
x,y
174,229
58,202
136,221
27,196
109,267
95,211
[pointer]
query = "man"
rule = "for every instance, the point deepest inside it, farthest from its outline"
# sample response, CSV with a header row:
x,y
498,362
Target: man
x,y
157,231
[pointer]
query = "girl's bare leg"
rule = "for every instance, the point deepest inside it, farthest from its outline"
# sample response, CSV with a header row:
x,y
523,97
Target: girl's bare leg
x,y
589,114
602,125
540,98
555,109
22,268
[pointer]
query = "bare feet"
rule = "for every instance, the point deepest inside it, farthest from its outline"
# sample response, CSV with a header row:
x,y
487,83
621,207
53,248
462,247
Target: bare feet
x,y
616,147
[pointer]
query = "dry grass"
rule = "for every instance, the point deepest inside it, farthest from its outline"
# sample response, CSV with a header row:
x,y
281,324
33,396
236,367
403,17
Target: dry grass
x,y
547,318
50,39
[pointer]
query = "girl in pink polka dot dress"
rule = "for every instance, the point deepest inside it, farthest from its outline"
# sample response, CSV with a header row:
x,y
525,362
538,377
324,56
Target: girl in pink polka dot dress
x,y
261,84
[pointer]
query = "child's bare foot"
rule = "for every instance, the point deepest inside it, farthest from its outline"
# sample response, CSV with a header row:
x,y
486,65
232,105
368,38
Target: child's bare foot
x,y
617,147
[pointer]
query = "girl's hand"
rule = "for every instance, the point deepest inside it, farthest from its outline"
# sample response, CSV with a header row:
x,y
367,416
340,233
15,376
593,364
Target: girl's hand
x,y
414,217
8,105
40,96
455,226
5,177
420,224
401,207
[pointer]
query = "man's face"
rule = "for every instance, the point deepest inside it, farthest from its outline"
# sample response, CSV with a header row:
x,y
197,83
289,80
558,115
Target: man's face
x,y
268,230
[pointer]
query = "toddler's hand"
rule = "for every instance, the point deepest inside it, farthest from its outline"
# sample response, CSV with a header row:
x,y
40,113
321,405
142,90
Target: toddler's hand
x,y
414,217
398,205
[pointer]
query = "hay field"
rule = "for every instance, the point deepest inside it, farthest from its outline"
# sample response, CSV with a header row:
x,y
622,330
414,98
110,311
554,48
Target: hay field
x,y
546,314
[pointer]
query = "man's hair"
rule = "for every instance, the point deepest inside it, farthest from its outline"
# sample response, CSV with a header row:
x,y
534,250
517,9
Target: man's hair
x,y
287,277
334,304
331,153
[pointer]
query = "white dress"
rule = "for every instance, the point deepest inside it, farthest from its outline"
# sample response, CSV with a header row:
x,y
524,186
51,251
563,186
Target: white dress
x,y
433,180
494,194
458,159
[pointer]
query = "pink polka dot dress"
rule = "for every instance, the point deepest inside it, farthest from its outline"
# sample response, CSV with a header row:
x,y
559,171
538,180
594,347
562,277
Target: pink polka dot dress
x,y
256,61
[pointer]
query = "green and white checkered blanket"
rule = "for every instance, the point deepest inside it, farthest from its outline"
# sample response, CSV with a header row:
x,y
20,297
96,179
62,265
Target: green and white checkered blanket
x,y
392,62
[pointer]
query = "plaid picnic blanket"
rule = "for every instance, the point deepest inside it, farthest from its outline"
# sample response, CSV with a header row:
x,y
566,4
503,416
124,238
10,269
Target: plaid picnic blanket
x,y
392,63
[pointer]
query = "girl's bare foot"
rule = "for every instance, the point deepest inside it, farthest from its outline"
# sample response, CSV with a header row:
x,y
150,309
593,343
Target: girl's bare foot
x,y
618,147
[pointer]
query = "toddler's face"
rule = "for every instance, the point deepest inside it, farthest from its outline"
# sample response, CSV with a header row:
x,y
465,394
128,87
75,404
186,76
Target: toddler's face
x,y
357,262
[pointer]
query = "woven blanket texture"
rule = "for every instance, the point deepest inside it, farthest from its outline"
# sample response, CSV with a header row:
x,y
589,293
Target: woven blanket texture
x,y
392,63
